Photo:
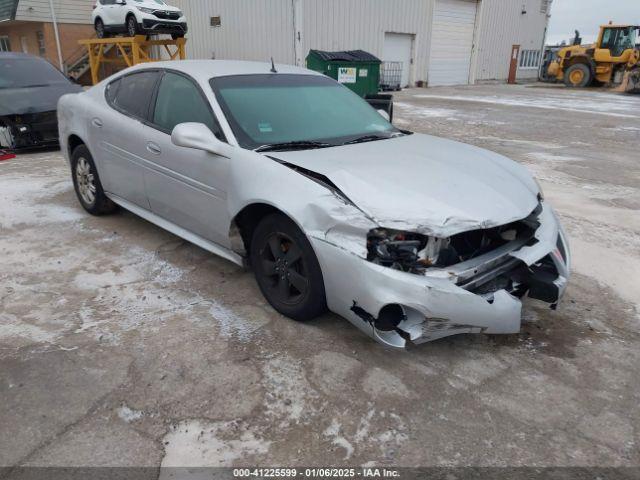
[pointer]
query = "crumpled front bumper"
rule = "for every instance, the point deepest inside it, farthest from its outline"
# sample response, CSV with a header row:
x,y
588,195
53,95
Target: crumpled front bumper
x,y
29,130
436,305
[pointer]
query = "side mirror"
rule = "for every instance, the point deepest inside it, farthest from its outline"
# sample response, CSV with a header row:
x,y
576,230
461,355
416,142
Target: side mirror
x,y
121,2
198,136
384,114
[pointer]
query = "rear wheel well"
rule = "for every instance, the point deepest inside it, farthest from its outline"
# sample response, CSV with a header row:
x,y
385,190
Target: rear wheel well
x,y
245,223
73,143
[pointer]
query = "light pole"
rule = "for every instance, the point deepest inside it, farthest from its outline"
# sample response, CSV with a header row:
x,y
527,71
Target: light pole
x,y
55,33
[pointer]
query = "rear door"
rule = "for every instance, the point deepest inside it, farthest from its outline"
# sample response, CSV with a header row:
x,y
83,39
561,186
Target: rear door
x,y
118,133
184,185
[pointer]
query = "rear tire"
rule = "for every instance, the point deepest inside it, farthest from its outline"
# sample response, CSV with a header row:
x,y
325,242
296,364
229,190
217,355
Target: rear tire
x,y
578,76
176,36
131,26
87,185
287,269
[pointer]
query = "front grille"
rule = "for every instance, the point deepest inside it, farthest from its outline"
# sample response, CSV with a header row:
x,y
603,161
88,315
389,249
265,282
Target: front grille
x,y
167,15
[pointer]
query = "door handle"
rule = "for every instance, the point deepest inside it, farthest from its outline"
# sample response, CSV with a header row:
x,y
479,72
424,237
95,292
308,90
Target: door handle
x,y
153,148
97,122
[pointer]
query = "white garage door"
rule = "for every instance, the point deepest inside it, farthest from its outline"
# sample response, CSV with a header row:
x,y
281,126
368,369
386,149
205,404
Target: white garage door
x,y
452,42
398,48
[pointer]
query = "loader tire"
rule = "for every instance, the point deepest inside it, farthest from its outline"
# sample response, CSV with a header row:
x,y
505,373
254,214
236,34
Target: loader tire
x,y
578,76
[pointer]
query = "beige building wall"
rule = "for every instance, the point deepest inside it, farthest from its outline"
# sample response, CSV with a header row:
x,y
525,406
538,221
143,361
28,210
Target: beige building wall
x,y
23,37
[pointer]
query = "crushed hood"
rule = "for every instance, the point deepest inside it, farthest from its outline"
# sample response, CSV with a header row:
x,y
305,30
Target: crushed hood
x,y
425,184
21,101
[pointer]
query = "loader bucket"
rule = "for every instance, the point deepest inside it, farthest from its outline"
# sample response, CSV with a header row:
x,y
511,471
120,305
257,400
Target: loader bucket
x,y
632,81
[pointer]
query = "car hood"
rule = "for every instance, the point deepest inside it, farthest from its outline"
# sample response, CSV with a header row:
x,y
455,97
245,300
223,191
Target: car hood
x,y
157,6
21,101
425,184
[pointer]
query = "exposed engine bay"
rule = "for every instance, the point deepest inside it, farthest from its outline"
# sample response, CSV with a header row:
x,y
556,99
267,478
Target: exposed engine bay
x,y
415,253
479,261
28,130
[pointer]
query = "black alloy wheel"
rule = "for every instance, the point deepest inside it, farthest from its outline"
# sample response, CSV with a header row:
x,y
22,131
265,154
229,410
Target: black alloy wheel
x,y
286,268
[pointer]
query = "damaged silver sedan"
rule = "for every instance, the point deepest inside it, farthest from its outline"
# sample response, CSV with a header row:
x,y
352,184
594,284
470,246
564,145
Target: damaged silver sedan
x,y
410,237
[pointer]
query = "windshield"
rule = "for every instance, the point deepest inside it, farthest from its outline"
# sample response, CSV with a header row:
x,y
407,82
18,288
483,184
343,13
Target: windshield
x,y
28,72
280,108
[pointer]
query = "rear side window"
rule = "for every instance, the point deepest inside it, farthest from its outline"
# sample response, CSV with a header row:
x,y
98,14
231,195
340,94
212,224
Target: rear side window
x,y
179,100
131,94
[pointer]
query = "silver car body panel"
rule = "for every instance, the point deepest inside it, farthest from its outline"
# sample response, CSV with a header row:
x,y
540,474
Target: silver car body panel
x,y
416,183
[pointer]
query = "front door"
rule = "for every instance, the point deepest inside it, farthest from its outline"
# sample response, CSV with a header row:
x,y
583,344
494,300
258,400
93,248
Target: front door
x,y
184,185
398,49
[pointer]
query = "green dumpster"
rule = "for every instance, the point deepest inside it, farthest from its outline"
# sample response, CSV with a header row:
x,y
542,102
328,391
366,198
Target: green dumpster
x,y
355,69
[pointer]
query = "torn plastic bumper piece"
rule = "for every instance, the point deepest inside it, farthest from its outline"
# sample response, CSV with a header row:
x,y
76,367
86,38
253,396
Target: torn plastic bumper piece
x,y
396,307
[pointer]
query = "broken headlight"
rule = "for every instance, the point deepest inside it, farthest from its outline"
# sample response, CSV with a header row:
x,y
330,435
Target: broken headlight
x,y
413,252
409,252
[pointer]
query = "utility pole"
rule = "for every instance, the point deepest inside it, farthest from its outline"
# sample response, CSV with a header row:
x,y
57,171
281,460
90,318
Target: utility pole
x,y
55,33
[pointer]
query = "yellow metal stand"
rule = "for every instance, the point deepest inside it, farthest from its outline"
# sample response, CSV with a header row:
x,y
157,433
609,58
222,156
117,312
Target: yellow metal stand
x,y
128,51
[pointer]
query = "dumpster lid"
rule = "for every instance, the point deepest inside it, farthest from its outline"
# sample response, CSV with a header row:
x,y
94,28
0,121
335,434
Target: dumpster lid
x,y
345,56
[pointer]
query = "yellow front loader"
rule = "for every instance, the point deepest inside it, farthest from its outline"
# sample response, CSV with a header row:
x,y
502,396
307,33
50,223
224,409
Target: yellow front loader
x,y
613,61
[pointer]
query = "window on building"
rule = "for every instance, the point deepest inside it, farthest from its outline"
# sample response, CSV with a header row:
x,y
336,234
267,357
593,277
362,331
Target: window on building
x,y
40,39
5,45
529,59
545,6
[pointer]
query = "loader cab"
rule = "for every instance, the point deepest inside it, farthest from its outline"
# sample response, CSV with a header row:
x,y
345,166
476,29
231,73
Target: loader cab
x,y
618,39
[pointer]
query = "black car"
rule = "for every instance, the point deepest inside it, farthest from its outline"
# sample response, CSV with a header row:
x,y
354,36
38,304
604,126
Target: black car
x,y
29,91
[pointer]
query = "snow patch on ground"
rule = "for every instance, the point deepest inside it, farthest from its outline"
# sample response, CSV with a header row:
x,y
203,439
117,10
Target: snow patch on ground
x,y
13,327
594,103
288,392
129,415
527,143
194,443
26,201
333,432
551,157
239,322
425,112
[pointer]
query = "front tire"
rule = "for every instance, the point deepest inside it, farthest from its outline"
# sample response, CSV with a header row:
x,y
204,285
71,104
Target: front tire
x,y
287,269
578,76
131,26
87,185
175,36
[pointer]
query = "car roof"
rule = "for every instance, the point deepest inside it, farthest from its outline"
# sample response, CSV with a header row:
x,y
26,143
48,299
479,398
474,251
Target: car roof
x,y
203,70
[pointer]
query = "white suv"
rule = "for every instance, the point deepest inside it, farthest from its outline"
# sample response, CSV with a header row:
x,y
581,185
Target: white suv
x,y
137,17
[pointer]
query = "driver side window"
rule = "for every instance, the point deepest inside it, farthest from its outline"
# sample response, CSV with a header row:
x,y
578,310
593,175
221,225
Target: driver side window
x,y
180,101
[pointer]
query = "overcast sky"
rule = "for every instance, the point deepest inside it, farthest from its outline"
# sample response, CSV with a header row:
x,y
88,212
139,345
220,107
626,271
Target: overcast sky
x,y
587,16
